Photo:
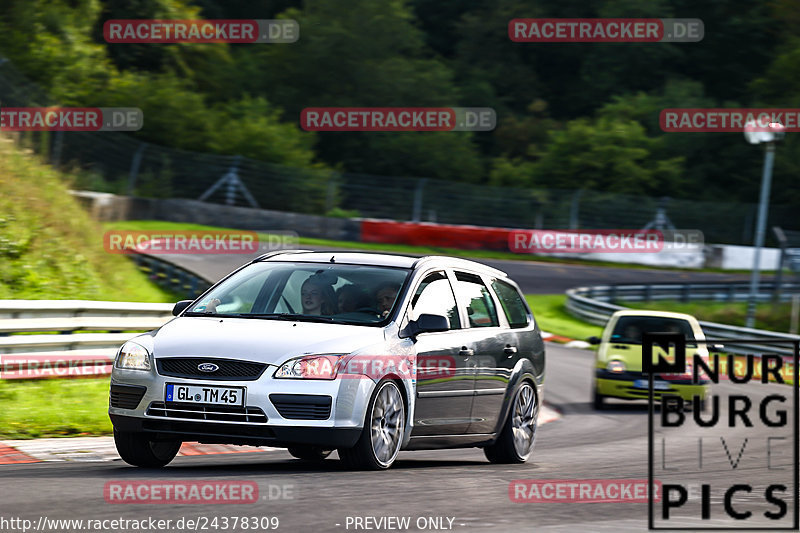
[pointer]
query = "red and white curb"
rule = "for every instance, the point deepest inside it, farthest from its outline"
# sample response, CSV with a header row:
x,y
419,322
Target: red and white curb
x,y
102,449
566,341
95,449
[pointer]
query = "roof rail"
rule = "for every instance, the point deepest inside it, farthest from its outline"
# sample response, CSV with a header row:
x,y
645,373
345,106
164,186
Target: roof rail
x,y
277,252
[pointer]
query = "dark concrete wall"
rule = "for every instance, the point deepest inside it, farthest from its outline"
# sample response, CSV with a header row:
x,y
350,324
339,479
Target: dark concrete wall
x,y
108,207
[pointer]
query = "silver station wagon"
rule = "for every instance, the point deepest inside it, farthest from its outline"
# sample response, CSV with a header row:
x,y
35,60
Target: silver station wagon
x,y
367,354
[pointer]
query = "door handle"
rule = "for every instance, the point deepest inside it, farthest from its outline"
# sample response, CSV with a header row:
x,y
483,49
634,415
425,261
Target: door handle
x,y
466,352
509,350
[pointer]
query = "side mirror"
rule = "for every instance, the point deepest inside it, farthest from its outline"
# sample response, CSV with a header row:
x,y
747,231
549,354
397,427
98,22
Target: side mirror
x,y
425,324
180,306
593,340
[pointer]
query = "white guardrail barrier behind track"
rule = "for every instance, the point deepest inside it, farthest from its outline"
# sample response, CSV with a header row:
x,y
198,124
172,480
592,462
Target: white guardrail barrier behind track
x,y
66,338
594,304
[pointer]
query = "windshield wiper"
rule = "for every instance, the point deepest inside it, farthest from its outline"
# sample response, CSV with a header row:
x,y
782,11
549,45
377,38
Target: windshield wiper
x,y
287,316
201,313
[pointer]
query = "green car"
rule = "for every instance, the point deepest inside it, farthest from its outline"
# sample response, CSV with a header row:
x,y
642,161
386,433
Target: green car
x,y
618,363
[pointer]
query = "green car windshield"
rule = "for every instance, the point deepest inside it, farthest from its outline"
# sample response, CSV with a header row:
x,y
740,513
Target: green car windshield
x,y
629,329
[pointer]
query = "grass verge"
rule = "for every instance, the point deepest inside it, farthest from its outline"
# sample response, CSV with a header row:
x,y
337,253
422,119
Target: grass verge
x,y
772,317
49,246
54,408
552,316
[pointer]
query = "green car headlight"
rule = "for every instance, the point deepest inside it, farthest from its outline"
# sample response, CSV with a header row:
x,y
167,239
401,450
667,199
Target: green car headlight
x,y
615,366
133,356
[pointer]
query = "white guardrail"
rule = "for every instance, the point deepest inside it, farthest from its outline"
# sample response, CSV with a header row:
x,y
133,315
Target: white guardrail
x,y
69,338
593,304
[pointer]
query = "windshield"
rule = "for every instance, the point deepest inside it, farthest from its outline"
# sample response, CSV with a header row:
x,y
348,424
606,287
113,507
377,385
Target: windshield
x,y
629,329
306,291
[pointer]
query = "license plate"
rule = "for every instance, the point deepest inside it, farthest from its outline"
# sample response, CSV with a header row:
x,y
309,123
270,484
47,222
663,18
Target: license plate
x,y
205,394
657,385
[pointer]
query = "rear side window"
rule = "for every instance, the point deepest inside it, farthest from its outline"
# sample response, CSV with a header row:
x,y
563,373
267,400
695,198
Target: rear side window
x,y
512,304
476,298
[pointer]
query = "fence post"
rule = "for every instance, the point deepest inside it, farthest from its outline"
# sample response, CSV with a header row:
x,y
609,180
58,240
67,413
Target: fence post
x,y
574,208
416,215
134,173
331,196
685,293
55,159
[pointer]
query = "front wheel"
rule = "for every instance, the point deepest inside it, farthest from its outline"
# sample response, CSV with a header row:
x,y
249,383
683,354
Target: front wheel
x,y
137,449
515,443
312,454
384,427
598,400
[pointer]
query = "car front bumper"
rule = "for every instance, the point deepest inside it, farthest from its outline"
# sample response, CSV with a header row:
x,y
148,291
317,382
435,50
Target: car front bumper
x,y
138,403
629,386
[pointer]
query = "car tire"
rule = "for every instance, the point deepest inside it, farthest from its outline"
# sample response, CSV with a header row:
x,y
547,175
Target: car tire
x,y
137,449
598,400
311,454
384,426
518,436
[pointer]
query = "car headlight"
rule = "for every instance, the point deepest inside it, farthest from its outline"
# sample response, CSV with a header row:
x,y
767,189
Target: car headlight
x,y
615,366
133,356
309,367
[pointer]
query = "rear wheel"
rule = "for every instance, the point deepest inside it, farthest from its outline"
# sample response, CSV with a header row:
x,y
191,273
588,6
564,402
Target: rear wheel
x,y
384,427
138,450
312,454
516,440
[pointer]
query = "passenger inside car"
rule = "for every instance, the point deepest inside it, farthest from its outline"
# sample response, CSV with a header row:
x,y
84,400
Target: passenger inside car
x,y
385,296
318,297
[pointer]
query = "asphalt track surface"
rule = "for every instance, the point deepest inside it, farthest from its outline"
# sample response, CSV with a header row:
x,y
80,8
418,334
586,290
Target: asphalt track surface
x,y
534,277
457,484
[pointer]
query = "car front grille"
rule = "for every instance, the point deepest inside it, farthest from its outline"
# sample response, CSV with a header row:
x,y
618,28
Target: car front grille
x,y
227,369
126,396
302,406
252,415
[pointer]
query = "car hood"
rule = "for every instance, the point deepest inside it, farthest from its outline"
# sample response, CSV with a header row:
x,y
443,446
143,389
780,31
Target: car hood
x,y
262,340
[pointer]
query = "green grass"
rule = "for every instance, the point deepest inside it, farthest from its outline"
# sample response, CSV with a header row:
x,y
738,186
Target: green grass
x,y
768,316
552,317
156,225
49,246
54,408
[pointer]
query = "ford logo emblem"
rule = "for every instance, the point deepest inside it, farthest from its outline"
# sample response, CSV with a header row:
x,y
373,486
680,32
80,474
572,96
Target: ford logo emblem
x,y
207,367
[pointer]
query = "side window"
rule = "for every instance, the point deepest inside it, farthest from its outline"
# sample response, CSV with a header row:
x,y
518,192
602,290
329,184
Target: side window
x,y
512,304
476,298
435,296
